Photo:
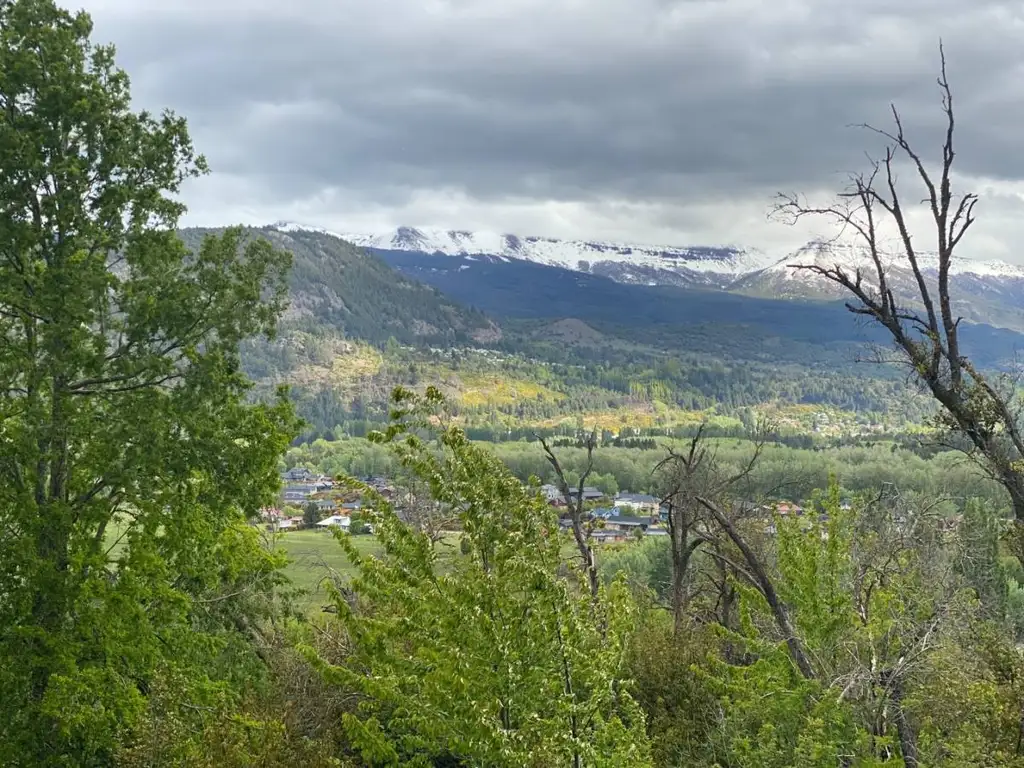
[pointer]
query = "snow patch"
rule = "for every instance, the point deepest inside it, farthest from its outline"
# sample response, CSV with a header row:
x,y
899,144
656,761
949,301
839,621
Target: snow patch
x,y
724,260
707,264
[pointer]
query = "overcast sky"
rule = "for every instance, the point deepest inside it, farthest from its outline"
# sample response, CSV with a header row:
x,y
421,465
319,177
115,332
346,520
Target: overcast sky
x,y
639,120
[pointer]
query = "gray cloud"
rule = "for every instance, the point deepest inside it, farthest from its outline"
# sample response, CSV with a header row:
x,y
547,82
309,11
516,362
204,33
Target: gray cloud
x,y
631,118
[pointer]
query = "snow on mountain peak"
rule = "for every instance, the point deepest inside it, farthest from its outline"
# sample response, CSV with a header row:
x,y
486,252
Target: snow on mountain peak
x,y
650,263
727,260
851,257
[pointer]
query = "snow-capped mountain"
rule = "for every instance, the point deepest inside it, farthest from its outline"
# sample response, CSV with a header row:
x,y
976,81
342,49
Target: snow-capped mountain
x,y
596,256
623,262
988,292
785,278
851,258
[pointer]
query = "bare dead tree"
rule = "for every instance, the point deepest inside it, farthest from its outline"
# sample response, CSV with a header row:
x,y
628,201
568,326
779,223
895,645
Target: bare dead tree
x,y
923,329
581,528
691,474
756,573
424,514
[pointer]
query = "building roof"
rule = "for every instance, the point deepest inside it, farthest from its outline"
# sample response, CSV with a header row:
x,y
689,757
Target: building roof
x,y
302,488
636,498
630,521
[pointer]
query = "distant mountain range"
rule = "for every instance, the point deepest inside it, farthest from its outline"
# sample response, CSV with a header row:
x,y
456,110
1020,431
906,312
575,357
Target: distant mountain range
x,y
985,292
756,340
643,264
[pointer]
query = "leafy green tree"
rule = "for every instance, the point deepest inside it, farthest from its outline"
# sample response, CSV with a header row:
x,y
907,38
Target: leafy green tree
x,y
358,525
606,484
979,536
311,513
128,454
496,659
848,630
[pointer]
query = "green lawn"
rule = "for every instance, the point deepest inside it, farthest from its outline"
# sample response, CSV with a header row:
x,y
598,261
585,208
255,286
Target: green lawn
x,y
316,556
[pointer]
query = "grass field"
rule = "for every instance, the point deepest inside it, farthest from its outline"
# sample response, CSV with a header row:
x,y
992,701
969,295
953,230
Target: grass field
x,y
316,556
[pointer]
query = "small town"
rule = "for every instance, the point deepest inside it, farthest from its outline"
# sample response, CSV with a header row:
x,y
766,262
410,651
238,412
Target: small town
x,y
309,500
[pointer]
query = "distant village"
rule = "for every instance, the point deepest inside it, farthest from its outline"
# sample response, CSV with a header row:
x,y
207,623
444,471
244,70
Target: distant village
x,y
313,501
310,500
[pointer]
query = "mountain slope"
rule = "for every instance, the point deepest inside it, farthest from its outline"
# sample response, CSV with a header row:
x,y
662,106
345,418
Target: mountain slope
x,y
574,343
987,292
982,292
711,322
337,286
626,263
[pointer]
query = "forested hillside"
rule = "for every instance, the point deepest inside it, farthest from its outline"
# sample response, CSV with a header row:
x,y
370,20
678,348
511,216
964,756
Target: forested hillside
x,y
338,289
560,346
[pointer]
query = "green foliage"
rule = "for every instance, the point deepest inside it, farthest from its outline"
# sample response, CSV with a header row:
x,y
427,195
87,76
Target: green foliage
x,y
497,660
645,565
311,513
782,471
187,726
122,405
900,653
358,526
339,288
980,532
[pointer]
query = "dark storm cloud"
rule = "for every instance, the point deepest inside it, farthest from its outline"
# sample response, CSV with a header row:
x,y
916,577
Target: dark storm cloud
x,y
568,100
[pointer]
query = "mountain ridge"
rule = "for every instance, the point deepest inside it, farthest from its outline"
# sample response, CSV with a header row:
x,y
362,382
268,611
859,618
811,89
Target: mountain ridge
x,y
985,292
723,259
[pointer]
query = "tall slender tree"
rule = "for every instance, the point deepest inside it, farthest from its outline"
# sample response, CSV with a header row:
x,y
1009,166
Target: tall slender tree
x,y
128,453
493,657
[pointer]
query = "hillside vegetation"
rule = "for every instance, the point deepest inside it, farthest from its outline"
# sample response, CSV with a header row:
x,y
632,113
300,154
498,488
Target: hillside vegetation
x,y
334,286
616,356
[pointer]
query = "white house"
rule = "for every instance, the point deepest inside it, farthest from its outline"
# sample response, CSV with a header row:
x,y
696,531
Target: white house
x,y
638,501
335,521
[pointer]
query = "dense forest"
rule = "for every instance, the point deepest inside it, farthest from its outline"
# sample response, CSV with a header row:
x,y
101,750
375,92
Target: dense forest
x,y
340,387
151,613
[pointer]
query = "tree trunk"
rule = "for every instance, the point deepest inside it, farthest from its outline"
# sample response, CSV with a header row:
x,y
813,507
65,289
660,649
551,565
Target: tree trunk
x,y
904,731
680,536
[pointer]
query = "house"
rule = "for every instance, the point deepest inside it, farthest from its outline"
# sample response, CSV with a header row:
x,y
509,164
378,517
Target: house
x,y
589,493
335,521
352,506
551,494
380,484
629,524
607,535
638,501
277,520
325,505
297,475
787,508
270,514
307,489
